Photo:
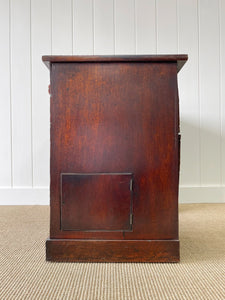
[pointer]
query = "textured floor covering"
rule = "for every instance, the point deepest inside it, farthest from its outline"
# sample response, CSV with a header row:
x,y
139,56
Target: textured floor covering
x,y
24,274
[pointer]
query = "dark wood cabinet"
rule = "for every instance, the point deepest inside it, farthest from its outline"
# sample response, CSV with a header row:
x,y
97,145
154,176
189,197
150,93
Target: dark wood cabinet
x,y
114,158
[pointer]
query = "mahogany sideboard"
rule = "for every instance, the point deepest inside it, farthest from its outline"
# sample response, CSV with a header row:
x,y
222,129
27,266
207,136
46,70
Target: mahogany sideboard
x,y
114,158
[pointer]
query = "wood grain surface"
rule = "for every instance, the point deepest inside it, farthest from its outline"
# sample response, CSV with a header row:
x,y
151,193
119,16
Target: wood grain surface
x,y
114,117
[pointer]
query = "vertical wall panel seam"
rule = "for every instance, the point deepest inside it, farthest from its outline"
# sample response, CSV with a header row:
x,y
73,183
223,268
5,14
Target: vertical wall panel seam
x,y
10,92
135,26
156,28
31,104
220,94
93,27
114,26
199,94
72,24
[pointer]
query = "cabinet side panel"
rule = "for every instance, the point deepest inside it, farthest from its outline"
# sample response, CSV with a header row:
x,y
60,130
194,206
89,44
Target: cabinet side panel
x,y
118,118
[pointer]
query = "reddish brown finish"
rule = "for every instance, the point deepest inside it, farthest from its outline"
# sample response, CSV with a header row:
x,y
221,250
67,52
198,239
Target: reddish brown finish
x,y
118,116
178,59
113,117
113,251
99,202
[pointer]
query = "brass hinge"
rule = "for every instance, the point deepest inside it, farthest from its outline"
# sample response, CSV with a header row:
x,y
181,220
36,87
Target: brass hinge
x,y
131,219
131,185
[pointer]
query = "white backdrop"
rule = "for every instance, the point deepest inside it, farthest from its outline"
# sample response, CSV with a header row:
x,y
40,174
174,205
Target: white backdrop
x,y
32,28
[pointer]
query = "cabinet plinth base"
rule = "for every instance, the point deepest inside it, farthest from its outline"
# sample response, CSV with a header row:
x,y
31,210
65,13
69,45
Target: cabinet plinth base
x,y
112,250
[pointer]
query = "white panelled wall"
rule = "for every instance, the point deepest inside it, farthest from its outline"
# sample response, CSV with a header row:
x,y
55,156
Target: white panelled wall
x,y
32,28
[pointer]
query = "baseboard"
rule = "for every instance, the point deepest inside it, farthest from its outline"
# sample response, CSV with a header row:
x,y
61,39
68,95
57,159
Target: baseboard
x,y
40,195
202,194
24,196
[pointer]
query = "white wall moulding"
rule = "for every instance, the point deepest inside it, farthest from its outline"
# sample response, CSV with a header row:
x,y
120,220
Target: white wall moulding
x,y
24,196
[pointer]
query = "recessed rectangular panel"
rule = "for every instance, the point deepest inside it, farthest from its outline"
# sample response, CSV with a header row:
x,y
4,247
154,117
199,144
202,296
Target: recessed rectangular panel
x,y
96,201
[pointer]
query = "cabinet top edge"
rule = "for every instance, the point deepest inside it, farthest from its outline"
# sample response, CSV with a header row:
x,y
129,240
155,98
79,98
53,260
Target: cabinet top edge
x,y
180,59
